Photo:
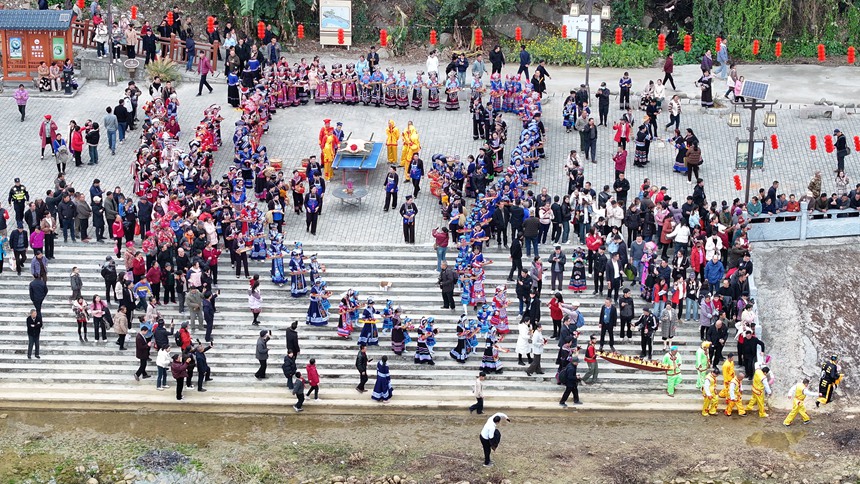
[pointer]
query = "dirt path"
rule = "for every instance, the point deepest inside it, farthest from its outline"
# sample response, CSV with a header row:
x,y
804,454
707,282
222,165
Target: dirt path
x,y
616,447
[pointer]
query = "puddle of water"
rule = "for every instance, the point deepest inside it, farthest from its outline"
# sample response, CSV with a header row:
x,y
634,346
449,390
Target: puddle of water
x,y
781,441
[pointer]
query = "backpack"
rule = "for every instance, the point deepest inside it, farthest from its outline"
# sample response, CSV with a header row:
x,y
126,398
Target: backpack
x,y
177,339
562,376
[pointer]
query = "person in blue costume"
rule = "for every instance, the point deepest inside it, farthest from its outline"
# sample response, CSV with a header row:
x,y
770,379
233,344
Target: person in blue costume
x,y
298,282
382,390
369,335
276,254
317,315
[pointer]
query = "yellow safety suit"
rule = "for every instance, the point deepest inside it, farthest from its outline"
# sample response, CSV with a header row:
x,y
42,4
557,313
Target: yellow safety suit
x,y
709,395
735,397
728,376
759,389
392,137
798,394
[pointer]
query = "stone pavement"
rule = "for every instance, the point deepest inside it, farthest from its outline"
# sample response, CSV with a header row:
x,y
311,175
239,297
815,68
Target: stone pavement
x,y
294,131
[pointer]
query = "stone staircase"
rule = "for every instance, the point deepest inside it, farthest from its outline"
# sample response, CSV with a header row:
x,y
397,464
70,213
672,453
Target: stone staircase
x,y
71,373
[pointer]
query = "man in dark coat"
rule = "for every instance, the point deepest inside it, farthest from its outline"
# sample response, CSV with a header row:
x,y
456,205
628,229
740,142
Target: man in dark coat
x,y
19,243
361,362
293,340
718,334
516,218
608,320
516,256
289,368
34,330
447,280
142,352
208,306
38,293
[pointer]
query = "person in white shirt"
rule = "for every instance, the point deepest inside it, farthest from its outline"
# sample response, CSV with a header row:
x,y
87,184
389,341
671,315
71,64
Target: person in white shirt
x,y
674,113
478,391
614,214
538,341
681,235
491,437
432,63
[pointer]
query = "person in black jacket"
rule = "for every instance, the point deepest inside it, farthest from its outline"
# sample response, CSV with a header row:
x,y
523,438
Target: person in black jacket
x,y
516,256
34,330
599,268
749,350
500,224
67,212
842,150
516,219
570,381
497,60
208,306
718,334
447,281
141,352
524,287
204,373
625,313
603,103
19,243
293,339
556,262
647,325
361,362
38,293
289,368
608,319
162,335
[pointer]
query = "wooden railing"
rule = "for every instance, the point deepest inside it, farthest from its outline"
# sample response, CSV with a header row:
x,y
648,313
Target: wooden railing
x,y
172,48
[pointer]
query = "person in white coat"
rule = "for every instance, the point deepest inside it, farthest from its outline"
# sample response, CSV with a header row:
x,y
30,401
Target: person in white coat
x,y
524,335
432,62
538,341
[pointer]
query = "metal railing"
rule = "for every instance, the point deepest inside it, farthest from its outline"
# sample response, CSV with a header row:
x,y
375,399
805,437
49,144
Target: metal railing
x,y
804,225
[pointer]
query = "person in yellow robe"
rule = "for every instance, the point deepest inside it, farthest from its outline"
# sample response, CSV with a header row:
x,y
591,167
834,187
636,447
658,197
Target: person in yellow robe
x,y
392,137
328,155
728,374
410,146
709,393
735,397
760,388
798,394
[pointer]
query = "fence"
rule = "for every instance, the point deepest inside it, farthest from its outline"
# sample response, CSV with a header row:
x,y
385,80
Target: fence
x,y
172,48
805,225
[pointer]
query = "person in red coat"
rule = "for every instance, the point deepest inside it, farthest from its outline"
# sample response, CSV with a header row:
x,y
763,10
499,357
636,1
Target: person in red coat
x,y
77,143
211,254
184,336
324,132
153,275
47,133
313,379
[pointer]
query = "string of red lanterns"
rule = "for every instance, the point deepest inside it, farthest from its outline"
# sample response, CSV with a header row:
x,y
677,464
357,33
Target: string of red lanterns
x,y
774,142
813,142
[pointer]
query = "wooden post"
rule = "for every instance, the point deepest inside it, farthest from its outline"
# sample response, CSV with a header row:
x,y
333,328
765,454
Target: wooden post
x,y
216,47
172,50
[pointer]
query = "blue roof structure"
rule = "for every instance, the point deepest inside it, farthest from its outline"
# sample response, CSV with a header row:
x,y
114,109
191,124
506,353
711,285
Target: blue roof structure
x,y
35,19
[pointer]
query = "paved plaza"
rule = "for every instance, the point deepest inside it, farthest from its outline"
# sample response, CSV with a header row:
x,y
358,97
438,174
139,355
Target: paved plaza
x,y
293,135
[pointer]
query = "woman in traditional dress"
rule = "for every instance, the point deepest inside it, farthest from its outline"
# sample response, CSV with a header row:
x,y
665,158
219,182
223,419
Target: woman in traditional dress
x,y
640,157
233,90
452,89
399,334
497,92
422,352
465,282
417,90
382,390
490,362
433,92
276,254
350,77
402,95
705,84
388,317
258,249
322,95
365,89
377,80
345,323
317,316
577,282
336,84
298,283
390,85
477,288
315,269
369,335
461,351
500,302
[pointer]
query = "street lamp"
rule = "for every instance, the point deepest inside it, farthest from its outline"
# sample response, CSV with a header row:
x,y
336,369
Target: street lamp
x,y
753,105
111,71
605,14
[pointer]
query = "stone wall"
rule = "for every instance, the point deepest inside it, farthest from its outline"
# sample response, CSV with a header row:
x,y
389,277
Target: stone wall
x,y
94,68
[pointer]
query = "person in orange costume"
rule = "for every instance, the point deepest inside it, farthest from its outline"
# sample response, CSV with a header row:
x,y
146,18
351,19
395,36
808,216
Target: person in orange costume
x,y
735,396
410,146
324,131
392,137
728,374
328,152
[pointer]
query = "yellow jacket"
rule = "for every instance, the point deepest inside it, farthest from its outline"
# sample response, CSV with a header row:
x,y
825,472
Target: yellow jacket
x,y
392,135
728,371
710,386
736,390
760,384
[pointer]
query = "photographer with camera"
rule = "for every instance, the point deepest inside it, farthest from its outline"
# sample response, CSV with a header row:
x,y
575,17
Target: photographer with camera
x,y
203,370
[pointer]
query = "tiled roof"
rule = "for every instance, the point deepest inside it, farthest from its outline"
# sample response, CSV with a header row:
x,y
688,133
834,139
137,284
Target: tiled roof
x,y
35,19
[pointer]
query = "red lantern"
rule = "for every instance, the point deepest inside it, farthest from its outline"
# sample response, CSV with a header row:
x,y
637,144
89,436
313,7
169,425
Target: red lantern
x,y
619,35
81,4
774,142
857,143
300,31
688,43
479,37
518,34
756,46
261,29
821,53
383,37
828,143
564,31
170,18
718,45
738,185
133,10
340,36
851,55
813,142
778,50
661,42
433,39
210,24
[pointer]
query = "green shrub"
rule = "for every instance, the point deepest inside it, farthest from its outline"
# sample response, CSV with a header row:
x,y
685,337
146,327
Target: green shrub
x,y
628,54
165,69
558,51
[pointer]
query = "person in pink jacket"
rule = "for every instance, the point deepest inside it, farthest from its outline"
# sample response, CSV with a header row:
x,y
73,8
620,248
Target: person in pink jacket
x,y
47,133
21,97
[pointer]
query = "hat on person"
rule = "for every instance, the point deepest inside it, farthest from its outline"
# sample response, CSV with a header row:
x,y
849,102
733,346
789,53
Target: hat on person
x,y
48,117
575,304
339,123
17,180
97,199
673,348
706,344
557,247
409,197
20,224
836,131
184,324
326,121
